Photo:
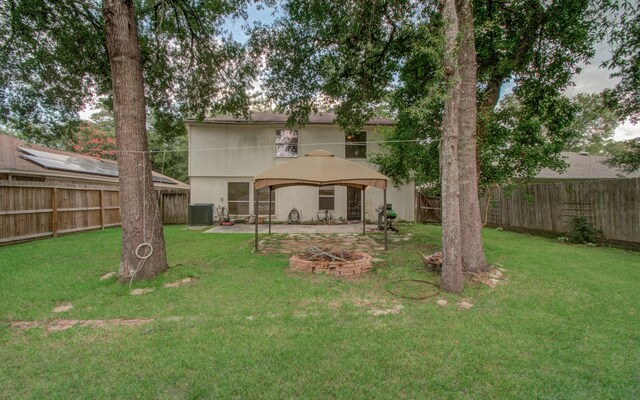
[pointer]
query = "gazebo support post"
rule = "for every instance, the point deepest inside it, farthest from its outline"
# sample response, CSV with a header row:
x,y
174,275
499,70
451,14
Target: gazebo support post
x,y
270,197
384,209
364,214
255,214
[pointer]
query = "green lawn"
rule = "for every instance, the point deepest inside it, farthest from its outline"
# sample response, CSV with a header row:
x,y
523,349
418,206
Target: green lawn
x,y
566,325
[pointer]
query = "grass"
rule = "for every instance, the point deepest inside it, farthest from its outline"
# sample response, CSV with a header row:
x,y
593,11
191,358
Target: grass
x,y
565,326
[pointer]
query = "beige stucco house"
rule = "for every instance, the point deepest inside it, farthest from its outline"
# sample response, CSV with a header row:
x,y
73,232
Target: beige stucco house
x,y
225,153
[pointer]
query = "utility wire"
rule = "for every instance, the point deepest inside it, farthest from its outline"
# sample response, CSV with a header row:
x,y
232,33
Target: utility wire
x,y
269,146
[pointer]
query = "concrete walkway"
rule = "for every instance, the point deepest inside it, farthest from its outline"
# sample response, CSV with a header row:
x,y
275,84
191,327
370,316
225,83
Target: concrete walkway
x,y
286,228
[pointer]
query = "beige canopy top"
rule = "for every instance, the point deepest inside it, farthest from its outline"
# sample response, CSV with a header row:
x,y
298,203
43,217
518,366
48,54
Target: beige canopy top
x,y
321,168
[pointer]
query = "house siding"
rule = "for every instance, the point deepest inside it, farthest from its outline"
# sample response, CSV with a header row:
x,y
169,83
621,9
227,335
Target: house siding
x,y
219,154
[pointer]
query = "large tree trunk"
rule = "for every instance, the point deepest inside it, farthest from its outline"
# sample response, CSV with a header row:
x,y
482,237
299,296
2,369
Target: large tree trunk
x,y
471,223
452,278
143,249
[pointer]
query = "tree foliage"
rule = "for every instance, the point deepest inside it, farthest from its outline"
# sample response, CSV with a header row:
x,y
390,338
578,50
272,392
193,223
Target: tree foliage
x,y
625,59
166,56
167,139
390,51
168,144
94,142
533,46
627,158
53,61
343,53
594,124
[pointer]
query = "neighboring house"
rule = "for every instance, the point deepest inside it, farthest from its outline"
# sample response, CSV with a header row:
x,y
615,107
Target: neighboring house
x,y
21,161
583,166
225,153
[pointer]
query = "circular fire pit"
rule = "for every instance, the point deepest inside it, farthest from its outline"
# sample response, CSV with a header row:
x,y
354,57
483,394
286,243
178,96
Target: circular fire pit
x,y
358,264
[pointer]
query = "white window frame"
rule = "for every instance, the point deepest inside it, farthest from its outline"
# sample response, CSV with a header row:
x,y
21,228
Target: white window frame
x,y
350,144
327,196
229,201
279,143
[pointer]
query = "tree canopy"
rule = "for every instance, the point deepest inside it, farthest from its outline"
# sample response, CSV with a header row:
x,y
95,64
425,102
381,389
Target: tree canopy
x,y
360,55
53,61
594,124
625,59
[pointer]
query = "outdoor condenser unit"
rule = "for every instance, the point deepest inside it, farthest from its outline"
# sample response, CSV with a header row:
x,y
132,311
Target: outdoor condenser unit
x,y
201,214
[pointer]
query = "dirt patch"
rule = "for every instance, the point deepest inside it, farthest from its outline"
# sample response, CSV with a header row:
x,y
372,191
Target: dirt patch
x,y
394,310
62,307
181,282
58,325
465,305
491,278
138,292
108,275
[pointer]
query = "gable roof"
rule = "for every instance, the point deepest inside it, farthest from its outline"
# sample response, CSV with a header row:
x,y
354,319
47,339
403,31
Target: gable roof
x,y
269,118
21,158
584,166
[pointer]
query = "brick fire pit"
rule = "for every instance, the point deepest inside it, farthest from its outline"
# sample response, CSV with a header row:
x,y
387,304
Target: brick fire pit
x,y
362,263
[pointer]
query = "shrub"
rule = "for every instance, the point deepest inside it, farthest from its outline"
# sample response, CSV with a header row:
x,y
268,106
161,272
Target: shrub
x,y
581,231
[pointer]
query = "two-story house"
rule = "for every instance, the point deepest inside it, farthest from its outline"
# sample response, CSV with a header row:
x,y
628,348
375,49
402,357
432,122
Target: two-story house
x,y
225,153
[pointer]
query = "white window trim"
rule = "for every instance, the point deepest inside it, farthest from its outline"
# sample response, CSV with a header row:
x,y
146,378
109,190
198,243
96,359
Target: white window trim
x,y
327,196
275,150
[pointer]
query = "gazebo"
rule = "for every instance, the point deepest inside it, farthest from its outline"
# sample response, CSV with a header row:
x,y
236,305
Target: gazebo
x,y
320,168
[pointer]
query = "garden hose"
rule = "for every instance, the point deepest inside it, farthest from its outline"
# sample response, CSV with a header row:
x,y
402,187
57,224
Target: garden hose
x,y
294,216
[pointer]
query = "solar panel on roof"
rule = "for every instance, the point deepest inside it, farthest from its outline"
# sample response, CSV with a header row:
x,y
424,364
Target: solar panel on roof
x,y
77,164
88,165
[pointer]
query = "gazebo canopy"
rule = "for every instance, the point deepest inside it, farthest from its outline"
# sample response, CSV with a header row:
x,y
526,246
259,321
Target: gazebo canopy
x,y
321,168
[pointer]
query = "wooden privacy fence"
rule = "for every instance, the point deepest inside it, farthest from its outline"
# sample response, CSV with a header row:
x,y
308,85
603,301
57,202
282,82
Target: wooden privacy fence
x,y
611,207
34,210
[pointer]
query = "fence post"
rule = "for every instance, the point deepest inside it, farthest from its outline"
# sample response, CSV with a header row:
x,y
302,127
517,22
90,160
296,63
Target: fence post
x,y
102,209
54,212
161,196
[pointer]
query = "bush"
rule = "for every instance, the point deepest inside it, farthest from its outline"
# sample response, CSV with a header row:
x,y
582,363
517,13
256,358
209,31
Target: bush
x,y
581,231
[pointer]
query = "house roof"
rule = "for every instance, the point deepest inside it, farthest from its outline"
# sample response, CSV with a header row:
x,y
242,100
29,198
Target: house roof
x,y
583,166
268,118
321,168
15,158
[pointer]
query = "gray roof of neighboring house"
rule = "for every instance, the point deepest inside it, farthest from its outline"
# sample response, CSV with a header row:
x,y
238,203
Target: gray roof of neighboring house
x,y
12,161
280,119
584,166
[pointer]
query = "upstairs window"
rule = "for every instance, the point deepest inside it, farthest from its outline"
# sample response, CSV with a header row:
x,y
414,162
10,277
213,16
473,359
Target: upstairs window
x,y
286,143
356,145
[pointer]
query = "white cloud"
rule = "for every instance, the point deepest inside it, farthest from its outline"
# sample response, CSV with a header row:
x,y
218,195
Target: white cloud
x,y
627,131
